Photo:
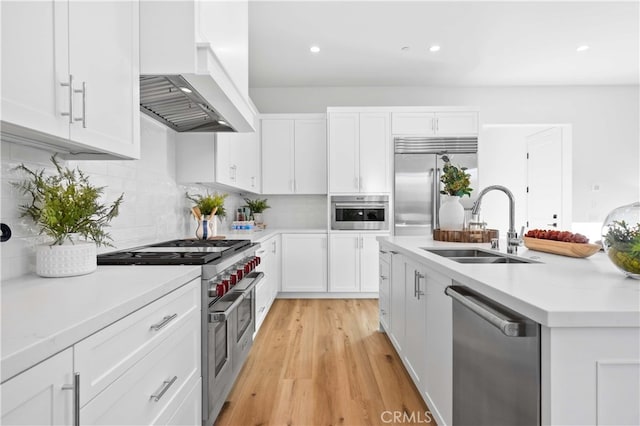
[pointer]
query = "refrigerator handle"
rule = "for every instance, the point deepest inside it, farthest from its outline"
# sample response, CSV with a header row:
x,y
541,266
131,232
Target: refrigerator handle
x,y
435,202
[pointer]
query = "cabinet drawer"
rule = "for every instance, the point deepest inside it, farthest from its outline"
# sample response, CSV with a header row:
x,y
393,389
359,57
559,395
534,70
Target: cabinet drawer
x,y
189,412
146,391
263,300
106,355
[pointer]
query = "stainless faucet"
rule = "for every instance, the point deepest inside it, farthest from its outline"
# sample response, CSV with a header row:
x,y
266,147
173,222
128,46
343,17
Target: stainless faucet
x,y
513,242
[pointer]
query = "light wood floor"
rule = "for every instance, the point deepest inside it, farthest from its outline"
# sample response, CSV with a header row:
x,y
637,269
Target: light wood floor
x,y
322,362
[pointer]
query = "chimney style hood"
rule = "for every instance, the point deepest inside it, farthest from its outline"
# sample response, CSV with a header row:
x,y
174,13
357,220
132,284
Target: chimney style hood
x,y
183,84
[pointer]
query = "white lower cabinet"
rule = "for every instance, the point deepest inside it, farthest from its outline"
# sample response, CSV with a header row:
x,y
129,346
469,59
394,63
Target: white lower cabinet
x,y
304,262
149,389
384,290
267,290
353,262
396,302
37,397
438,380
142,369
415,302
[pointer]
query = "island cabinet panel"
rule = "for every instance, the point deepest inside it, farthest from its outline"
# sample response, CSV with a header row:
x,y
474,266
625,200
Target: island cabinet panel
x,y
396,303
37,397
415,347
438,383
590,376
384,291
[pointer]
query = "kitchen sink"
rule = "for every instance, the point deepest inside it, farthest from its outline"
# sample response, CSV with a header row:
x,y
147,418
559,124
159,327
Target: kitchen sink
x,y
477,256
462,252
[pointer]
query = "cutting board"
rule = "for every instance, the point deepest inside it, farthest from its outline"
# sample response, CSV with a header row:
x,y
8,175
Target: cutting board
x,y
561,248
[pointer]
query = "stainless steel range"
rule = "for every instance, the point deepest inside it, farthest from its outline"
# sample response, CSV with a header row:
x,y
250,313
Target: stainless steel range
x,y
228,304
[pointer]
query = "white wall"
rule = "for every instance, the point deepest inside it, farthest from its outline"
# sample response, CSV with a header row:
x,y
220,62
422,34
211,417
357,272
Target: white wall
x,y
155,208
605,120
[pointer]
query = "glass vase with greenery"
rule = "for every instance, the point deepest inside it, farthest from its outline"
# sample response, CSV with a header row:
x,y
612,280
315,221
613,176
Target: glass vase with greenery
x,y
66,204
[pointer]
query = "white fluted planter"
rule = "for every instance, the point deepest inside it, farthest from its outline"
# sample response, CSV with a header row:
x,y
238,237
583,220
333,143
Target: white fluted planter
x,y
66,260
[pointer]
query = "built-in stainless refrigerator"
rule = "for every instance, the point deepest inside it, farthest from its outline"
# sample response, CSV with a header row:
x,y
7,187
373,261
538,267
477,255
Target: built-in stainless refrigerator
x,y
418,167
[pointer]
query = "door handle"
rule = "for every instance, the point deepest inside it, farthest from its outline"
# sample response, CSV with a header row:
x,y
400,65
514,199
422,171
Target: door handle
x,y
84,105
75,387
69,85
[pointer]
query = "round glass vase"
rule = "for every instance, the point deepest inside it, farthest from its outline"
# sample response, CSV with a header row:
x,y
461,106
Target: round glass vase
x,y
621,239
451,214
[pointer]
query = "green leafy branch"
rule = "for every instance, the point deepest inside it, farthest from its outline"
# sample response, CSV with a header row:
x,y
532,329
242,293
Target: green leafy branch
x,y
456,181
209,203
66,203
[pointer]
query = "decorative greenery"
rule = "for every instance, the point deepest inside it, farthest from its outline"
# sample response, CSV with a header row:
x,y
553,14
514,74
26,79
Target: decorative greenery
x,y
257,206
66,203
456,181
209,203
623,245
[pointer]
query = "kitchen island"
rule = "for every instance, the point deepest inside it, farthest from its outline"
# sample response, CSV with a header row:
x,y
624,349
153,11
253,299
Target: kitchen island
x,y
588,311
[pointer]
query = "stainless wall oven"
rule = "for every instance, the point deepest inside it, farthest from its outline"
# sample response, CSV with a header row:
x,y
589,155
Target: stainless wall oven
x,y
357,212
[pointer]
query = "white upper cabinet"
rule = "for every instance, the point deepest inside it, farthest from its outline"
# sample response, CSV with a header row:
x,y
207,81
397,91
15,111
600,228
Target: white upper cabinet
x,y
277,156
437,123
310,156
70,76
359,152
294,154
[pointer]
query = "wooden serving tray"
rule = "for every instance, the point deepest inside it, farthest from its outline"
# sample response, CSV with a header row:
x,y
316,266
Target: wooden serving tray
x,y
466,236
561,248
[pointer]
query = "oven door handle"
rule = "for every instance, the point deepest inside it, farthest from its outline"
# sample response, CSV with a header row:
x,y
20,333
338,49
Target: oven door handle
x,y
361,206
222,316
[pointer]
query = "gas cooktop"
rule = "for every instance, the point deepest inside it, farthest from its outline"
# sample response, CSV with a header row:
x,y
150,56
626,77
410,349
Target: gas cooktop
x,y
175,252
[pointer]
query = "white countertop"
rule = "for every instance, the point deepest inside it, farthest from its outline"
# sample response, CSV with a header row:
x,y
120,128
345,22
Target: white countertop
x,y
42,316
560,292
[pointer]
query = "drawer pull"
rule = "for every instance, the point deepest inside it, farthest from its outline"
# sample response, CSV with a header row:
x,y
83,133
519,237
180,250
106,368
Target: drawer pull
x,y
166,320
163,389
383,277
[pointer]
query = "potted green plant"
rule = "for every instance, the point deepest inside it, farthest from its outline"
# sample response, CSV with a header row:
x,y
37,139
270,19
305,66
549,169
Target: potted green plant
x,y
66,206
207,208
257,207
456,184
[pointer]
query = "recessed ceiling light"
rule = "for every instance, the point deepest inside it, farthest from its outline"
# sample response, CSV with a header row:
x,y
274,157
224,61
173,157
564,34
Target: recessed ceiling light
x,y
434,48
405,48
314,49
582,48
222,122
185,89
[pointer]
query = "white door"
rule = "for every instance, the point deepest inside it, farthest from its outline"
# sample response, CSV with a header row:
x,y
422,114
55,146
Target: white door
x,y
36,397
439,363
415,346
375,152
104,61
304,262
397,293
310,156
369,263
344,136
456,123
35,61
545,180
277,156
344,262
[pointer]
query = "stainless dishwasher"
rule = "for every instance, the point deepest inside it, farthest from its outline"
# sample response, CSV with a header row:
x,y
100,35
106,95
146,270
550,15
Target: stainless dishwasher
x,y
496,363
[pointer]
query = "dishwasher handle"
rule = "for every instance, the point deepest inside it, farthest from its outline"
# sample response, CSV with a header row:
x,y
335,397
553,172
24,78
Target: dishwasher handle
x,y
508,326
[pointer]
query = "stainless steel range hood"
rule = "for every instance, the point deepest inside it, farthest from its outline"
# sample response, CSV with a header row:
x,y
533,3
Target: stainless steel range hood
x,y
171,100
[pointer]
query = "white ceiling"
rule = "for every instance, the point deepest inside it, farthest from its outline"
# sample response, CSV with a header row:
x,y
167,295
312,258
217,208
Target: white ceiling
x,y
483,43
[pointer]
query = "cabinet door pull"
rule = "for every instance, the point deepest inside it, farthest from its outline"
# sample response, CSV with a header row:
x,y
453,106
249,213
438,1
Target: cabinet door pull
x,y
383,277
273,246
383,252
75,387
419,292
437,124
70,86
393,252
166,320
84,105
163,388
415,283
